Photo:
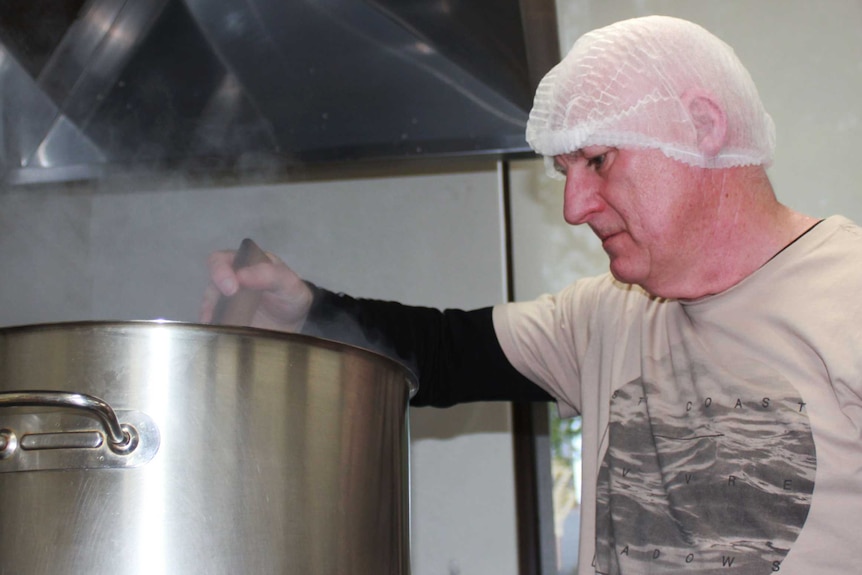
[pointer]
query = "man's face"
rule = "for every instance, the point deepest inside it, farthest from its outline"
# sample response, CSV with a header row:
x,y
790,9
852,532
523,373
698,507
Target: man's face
x,y
648,210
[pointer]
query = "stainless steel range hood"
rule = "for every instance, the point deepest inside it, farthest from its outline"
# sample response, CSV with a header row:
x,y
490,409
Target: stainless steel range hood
x,y
92,87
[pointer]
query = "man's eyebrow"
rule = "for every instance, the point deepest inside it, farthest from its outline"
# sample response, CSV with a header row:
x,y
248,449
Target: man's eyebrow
x,y
569,155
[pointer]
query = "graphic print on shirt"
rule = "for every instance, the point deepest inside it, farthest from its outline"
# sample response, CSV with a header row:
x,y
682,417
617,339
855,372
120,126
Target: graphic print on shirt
x,y
708,471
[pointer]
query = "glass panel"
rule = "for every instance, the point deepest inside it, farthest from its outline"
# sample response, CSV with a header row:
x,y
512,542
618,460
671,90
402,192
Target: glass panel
x,y
566,474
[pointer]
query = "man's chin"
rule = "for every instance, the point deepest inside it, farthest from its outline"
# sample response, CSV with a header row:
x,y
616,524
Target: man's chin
x,y
627,275
620,272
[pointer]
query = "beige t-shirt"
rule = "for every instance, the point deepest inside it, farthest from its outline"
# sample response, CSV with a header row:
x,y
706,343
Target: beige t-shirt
x,y
720,435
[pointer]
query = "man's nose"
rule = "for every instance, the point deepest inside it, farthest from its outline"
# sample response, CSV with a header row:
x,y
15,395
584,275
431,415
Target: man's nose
x,y
581,198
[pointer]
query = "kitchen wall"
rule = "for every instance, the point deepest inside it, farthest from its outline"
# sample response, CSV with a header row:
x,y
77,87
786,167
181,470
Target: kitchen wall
x,y
126,249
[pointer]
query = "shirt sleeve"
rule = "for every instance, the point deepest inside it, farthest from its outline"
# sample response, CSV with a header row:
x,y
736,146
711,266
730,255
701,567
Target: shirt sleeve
x,y
547,339
455,354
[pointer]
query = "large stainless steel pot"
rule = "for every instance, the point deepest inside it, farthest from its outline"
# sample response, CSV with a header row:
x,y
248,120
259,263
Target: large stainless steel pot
x,y
162,448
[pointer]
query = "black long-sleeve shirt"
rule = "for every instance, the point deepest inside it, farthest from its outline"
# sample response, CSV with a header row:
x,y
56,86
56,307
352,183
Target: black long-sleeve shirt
x,y
454,353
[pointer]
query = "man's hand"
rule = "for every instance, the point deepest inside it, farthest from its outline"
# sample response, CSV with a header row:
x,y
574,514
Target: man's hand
x,y
284,298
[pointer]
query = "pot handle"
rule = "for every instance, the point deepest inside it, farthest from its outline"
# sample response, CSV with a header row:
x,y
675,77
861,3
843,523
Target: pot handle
x,y
122,438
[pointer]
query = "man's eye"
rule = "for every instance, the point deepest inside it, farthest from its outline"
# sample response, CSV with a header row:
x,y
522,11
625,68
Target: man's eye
x,y
596,162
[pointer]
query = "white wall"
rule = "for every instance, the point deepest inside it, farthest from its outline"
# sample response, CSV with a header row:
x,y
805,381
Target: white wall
x,y
102,252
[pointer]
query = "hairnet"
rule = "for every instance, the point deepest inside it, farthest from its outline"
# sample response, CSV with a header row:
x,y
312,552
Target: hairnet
x,y
625,86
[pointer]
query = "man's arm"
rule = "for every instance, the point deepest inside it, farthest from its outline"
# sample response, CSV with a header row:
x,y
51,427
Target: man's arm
x,y
454,353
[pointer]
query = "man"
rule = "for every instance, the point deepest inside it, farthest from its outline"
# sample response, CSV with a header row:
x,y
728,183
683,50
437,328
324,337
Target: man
x,y
717,368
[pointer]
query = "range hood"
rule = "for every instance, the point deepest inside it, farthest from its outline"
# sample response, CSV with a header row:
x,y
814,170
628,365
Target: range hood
x,y
89,87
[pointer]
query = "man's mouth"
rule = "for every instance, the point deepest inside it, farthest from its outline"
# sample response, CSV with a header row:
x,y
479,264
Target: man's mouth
x,y
605,236
610,243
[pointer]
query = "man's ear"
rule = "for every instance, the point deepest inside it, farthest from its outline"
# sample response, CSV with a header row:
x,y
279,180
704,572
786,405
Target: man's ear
x,y
709,120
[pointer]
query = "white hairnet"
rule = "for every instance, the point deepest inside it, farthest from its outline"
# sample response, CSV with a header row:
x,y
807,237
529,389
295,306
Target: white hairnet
x,y
624,86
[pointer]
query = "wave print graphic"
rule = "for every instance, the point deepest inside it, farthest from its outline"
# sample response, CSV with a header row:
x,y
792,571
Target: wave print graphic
x,y
713,474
